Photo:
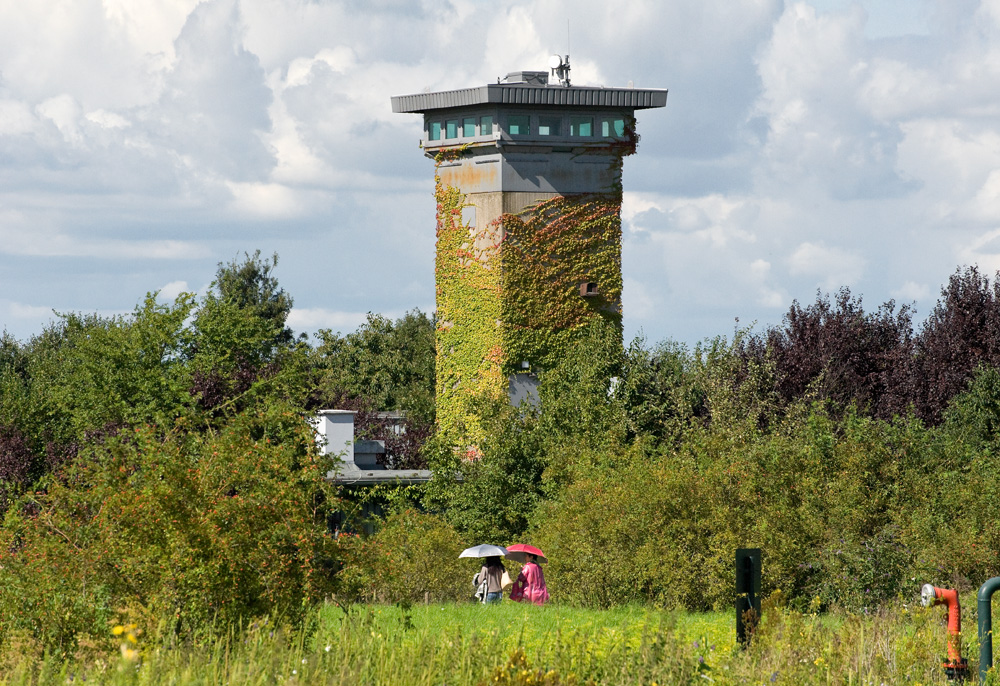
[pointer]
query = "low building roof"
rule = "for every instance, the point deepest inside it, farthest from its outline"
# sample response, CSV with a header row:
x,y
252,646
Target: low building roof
x,y
348,474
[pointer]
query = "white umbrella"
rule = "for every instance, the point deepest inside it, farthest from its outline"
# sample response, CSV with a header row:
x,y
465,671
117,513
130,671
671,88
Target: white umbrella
x,y
484,550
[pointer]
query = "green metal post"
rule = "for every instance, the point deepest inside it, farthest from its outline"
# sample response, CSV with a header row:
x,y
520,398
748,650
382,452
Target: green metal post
x,y
748,562
985,611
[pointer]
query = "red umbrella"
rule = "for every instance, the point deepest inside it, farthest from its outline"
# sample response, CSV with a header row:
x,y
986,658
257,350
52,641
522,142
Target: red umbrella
x,y
520,551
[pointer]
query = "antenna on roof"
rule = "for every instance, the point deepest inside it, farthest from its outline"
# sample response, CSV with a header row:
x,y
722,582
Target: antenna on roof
x,y
560,68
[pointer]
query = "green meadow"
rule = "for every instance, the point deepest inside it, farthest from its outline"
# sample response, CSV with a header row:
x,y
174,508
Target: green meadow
x,y
441,644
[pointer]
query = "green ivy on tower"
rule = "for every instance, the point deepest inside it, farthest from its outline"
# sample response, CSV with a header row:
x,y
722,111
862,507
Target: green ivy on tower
x,y
511,293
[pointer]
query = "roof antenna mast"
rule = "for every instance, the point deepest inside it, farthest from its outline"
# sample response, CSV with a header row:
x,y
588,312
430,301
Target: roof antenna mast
x,y
559,65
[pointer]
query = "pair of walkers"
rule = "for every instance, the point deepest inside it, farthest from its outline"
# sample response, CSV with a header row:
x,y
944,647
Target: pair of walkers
x,y
529,586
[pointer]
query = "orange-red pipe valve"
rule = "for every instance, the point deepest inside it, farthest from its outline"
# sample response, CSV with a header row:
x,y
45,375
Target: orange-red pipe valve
x,y
932,595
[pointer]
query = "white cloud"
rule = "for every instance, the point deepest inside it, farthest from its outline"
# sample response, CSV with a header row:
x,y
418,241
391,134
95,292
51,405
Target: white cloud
x,y
16,118
108,120
312,318
813,71
173,289
832,267
16,240
983,250
271,200
29,312
144,141
911,291
64,112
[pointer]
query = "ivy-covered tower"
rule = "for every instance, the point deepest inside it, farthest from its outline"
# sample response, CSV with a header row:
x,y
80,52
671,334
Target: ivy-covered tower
x,y
528,187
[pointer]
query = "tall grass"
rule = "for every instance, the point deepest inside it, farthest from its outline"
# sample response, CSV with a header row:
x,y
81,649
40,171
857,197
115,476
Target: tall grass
x,y
437,645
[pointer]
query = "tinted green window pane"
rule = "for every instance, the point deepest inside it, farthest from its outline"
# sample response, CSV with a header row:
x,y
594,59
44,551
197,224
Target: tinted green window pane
x,y
548,126
486,126
451,128
434,133
518,125
581,126
613,127
468,127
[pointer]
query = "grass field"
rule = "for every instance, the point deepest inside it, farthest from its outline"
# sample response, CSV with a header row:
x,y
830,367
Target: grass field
x,y
437,645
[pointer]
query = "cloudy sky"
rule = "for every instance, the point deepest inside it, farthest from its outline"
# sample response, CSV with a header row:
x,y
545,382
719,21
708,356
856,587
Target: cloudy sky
x,y
805,145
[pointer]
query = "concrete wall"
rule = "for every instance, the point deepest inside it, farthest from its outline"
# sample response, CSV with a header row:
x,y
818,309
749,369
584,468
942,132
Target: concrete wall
x,y
528,170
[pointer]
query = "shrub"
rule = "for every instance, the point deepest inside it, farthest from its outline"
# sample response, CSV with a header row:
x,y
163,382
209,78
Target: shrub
x,y
195,527
411,555
488,494
636,533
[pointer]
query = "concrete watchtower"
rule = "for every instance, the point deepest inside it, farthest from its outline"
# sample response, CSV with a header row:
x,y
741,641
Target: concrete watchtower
x,y
528,189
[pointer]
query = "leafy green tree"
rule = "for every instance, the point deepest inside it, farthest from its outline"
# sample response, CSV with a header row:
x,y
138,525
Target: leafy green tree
x,y
87,374
580,414
250,285
412,554
489,492
659,389
389,364
239,341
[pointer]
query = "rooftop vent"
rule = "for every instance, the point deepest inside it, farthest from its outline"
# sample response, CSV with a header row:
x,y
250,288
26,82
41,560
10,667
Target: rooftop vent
x,y
528,78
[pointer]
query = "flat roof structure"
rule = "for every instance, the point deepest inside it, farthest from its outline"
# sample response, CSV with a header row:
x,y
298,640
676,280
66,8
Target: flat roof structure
x,y
530,95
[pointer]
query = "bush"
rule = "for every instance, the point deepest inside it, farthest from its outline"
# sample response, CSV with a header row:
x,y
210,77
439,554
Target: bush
x,y
489,494
412,554
636,533
195,527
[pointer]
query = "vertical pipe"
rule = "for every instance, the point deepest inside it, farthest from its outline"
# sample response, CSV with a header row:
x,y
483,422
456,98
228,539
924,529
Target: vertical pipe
x,y
956,666
748,568
985,611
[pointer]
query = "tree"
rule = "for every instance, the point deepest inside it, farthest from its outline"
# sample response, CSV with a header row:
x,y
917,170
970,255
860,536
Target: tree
x,y
659,389
239,335
389,364
250,286
382,367
183,526
840,353
489,493
961,334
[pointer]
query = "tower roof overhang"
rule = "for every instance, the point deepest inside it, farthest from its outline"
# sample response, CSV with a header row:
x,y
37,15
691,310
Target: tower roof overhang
x,y
524,95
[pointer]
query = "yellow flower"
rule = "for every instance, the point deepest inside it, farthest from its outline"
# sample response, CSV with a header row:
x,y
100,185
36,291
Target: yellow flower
x,y
819,662
129,654
118,630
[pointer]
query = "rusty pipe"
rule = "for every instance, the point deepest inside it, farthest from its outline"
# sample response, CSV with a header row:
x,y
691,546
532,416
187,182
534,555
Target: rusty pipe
x,y
932,595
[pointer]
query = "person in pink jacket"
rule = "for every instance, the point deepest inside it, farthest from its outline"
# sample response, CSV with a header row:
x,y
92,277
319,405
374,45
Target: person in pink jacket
x,y
530,584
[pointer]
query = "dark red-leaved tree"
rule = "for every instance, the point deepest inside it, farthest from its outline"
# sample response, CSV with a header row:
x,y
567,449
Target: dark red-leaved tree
x,y
961,333
18,465
839,352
